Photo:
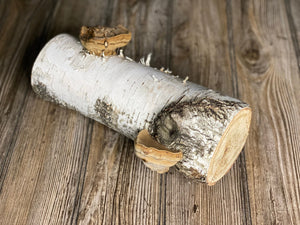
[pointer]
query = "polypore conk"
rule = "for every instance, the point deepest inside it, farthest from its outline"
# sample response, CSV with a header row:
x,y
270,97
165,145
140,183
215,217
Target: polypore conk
x,y
173,121
103,41
155,155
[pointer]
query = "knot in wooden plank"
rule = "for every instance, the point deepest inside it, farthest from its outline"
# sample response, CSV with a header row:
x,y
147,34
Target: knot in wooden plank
x,y
254,56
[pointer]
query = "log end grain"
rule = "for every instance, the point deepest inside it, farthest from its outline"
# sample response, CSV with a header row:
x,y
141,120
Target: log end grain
x,y
230,146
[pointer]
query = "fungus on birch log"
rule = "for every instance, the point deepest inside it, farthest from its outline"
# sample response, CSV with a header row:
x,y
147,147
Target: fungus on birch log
x,y
173,122
104,40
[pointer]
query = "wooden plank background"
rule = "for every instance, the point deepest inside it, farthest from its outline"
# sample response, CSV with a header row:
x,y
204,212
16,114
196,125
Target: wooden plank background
x,y
58,167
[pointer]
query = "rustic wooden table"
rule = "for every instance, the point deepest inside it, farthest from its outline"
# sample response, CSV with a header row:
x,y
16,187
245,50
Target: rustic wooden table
x,y
58,167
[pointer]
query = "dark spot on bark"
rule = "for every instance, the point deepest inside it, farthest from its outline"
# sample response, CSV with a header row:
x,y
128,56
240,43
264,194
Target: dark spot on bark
x,y
167,130
41,90
106,114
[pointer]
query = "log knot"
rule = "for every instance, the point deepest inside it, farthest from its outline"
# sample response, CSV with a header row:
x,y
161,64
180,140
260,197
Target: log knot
x,y
253,56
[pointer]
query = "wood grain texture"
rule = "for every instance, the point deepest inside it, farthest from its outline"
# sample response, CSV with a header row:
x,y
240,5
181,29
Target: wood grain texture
x,y
18,47
57,167
292,9
269,81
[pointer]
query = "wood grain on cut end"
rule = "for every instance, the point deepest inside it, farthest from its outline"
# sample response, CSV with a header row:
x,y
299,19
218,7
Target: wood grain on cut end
x,y
155,155
230,146
104,40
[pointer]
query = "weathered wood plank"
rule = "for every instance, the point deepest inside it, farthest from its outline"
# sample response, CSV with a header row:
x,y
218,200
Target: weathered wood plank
x,y
293,16
22,173
36,142
269,81
65,155
200,50
117,189
20,38
42,179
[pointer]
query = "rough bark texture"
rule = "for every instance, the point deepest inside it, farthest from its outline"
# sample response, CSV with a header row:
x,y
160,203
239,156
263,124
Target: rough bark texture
x,y
195,127
129,97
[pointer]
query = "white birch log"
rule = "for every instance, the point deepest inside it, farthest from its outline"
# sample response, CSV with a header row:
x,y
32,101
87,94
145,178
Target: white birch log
x,y
208,128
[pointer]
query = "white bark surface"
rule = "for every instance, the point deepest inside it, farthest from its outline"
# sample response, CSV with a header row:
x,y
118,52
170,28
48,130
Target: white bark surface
x,y
129,96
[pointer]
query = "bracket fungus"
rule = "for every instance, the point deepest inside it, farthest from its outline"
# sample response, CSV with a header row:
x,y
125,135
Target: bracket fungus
x,y
155,155
104,40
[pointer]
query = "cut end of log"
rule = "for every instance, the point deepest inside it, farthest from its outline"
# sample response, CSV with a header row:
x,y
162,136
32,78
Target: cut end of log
x,y
230,146
209,131
104,41
155,155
